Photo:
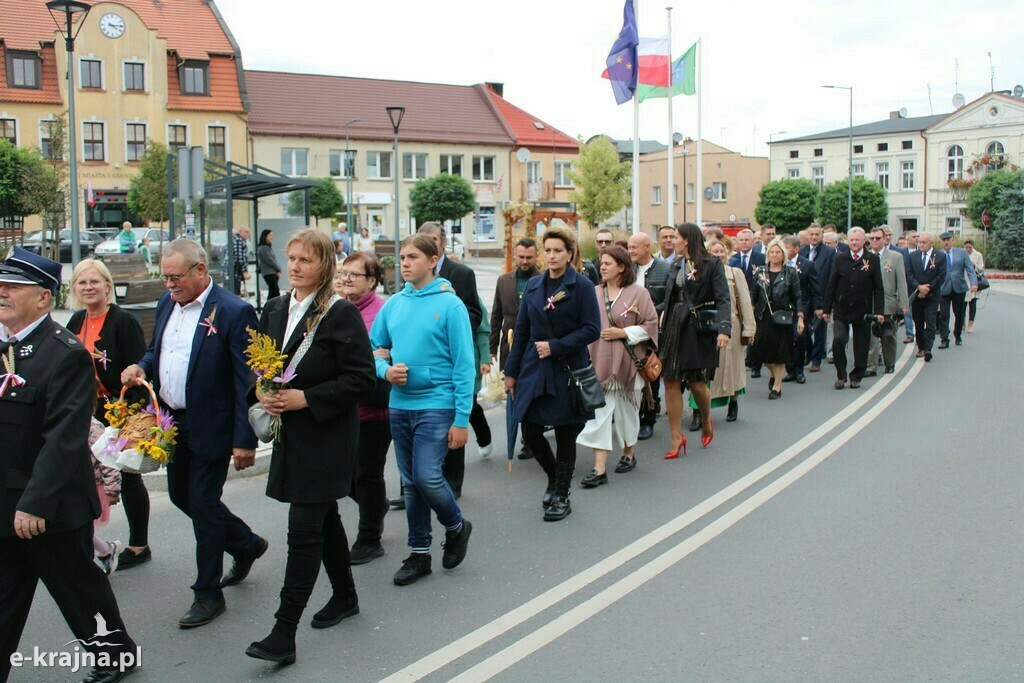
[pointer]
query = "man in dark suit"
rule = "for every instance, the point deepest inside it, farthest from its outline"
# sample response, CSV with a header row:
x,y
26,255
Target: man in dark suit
x,y
822,257
196,362
463,281
47,490
746,259
652,274
854,292
925,276
768,233
810,295
908,321
960,277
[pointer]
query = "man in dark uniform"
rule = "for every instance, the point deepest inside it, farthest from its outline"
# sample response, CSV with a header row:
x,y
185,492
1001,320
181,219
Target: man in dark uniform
x,y
47,491
854,292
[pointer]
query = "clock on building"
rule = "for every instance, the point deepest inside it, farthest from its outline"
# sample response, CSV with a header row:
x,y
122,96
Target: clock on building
x,y
111,25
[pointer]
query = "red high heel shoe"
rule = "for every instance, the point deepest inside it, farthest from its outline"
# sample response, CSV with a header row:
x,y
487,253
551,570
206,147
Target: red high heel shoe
x,y
672,455
705,441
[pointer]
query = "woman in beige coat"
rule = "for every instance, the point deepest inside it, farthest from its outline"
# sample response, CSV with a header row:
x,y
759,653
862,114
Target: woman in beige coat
x,y
731,377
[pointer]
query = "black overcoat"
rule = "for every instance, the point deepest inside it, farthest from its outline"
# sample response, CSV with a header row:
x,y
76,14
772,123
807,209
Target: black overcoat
x,y
709,288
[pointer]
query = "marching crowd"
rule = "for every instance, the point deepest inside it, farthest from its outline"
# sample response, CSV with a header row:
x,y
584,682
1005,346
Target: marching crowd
x,y
588,349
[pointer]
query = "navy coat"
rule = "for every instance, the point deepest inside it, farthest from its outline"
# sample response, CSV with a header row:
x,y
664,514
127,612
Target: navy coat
x,y
811,291
542,387
756,259
824,259
933,274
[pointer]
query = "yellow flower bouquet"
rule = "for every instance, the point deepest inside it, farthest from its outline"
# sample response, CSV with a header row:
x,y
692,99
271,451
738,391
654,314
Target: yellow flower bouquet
x,y
268,364
138,440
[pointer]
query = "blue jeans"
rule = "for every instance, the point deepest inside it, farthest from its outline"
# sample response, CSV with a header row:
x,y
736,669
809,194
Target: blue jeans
x,y
421,444
908,324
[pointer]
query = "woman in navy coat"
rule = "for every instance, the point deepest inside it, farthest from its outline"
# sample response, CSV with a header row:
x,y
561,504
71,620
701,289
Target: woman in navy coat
x,y
558,318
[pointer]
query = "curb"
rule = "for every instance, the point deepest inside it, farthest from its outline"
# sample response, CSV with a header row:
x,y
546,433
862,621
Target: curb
x,y
157,481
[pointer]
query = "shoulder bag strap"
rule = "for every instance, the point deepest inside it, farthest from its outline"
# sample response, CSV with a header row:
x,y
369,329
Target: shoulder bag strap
x,y
625,342
307,341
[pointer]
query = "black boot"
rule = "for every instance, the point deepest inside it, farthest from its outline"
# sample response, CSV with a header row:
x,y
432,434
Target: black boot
x,y
547,462
278,647
560,507
343,604
695,422
734,409
549,493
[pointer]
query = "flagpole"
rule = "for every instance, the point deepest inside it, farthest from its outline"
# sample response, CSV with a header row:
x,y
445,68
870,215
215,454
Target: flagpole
x,y
671,141
636,147
700,135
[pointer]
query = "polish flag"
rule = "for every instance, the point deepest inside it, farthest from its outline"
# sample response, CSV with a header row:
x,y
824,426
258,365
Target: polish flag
x,y
90,198
653,58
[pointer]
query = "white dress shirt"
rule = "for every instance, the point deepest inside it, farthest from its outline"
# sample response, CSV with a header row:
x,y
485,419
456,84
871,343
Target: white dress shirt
x,y
296,311
641,273
176,349
5,334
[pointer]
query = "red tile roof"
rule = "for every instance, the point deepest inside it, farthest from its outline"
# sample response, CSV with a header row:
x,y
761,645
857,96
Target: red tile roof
x,y
224,93
48,94
524,127
318,106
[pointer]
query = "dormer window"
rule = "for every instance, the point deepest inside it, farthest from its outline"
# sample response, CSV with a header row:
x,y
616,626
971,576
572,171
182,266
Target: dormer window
x,y
24,70
194,78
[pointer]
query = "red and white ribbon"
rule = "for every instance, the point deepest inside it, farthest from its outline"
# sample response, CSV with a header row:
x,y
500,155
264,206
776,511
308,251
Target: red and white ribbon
x,y
210,327
101,358
10,380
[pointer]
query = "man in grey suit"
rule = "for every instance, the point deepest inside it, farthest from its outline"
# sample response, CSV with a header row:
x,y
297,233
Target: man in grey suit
x,y
959,270
896,296
652,274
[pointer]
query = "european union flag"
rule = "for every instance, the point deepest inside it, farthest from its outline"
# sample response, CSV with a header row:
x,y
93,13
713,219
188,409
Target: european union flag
x,y
622,62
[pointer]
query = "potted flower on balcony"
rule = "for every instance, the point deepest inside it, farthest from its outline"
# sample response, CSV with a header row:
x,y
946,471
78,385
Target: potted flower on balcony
x,y
959,188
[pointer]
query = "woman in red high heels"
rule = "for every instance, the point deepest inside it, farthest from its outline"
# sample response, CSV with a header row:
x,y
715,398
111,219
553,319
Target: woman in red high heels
x,y
698,322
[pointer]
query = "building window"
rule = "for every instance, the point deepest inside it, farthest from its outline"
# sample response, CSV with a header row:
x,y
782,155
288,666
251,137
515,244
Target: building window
x,y
818,176
135,141
177,137
378,165
562,169
24,70
858,170
91,73
533,172
793,173
656,195
451,164
295,161
337,168
907,175
483,169
134,76
954,162
882,174
217,145
45,135
907,144
819,152
883,146
690,193
9,131
414,166
954,224
93,142
484,228
858,149
995,149
194,77
720,194
793,153
675,194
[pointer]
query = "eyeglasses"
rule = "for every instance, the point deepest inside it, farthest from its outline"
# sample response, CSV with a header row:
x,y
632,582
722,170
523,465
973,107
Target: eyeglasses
x,y
175,279
346,274
877,237
604,241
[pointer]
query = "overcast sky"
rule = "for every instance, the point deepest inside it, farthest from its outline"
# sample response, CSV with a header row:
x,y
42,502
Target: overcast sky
x,y
764,61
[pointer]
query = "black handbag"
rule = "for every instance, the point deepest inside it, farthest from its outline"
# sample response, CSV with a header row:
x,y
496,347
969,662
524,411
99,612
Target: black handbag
x,y
585,391
982,282
782,318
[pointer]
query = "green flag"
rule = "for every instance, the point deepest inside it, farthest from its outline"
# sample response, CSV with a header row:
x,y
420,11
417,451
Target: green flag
x,y
684,78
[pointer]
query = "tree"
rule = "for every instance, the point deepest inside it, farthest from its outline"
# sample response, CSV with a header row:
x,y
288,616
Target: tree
x,y
985,194
46,189
147,191
789,204
1007,250
870,207
16,166
441,198
325,201
602,181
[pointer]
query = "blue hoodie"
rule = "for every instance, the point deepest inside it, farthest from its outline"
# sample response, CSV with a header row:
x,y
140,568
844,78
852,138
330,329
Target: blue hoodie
x,y
428,330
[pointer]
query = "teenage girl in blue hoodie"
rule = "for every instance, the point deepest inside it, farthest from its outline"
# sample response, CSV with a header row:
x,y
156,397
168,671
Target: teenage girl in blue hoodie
x,y
425,328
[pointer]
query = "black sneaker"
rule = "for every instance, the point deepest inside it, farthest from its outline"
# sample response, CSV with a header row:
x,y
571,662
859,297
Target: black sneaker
x,y
455,545
362,553
129,558
414,567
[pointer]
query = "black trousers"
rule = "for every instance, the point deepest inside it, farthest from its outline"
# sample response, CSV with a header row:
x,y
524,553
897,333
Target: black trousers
x,y
972,309
135,500
368,487
649,415
315,535
958,302
925,312
565,445
64,563
861,344
801,347
478,421
195,485
272,289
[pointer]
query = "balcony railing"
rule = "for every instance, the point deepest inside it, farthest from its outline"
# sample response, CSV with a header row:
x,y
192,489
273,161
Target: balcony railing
x,y
540,191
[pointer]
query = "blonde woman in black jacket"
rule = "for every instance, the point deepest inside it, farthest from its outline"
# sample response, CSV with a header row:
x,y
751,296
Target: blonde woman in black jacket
x,y
776,293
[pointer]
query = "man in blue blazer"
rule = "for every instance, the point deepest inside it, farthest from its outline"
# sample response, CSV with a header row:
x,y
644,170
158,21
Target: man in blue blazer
x,y
811,293
746,259
822,257
196,362
959,271
925,276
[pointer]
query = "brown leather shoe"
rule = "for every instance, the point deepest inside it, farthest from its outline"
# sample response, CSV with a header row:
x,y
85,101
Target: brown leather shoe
x,y
815,368
840,383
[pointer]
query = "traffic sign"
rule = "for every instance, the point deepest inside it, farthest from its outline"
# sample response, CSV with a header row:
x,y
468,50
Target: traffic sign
x,y
986,219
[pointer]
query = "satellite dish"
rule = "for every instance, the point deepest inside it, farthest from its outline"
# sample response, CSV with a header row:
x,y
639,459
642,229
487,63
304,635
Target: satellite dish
x,y
1018,91
523,155
959,100
732,217
903,113
709,193
677,138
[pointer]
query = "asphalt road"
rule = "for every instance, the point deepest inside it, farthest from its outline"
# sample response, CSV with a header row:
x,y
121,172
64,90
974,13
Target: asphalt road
x,y
833,535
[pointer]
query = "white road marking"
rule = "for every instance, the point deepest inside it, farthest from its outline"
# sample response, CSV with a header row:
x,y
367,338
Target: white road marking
x,y
513,618
563,624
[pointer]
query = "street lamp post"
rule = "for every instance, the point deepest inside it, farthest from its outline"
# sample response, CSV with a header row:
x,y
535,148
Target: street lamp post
x,y
685,152
849,184
68,8
348,183
396,114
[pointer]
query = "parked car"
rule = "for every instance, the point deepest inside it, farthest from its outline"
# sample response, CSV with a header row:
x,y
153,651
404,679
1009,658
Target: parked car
x,y
157,237
86,238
